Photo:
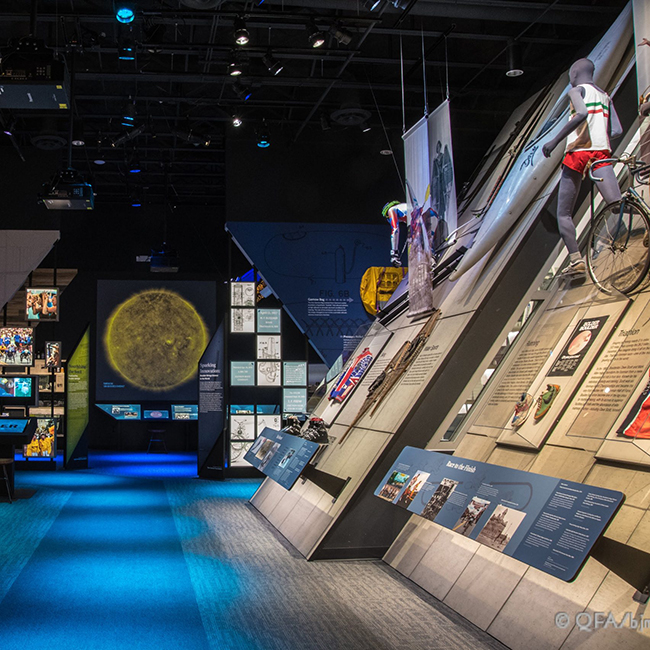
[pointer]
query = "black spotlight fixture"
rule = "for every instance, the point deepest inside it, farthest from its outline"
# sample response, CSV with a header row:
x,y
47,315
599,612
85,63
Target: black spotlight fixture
x,y
515,68
242,91
242,35
129,135
342,35
237,121
272,64
372,4
263,139
235,64
128,115
316,36
126,49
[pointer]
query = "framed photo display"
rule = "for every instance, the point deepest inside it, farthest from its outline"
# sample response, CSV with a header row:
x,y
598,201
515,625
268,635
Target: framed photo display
x,y
242,294
268,346
268,373
42,304
52,354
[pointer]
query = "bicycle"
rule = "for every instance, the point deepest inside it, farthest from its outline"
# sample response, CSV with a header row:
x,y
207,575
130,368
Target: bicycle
x,y
618,256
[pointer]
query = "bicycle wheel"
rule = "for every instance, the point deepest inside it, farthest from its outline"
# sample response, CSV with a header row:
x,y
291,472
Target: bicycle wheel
x,y
618,256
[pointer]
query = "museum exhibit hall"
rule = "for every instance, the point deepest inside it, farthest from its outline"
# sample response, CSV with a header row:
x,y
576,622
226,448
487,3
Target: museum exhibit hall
x,y
325,324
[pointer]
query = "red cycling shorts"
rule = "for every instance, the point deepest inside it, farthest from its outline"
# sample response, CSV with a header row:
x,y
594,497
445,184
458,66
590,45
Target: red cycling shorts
x,y
580,160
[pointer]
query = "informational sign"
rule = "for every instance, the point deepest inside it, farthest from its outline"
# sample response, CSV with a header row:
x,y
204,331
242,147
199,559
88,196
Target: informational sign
x,y
294,400
577,347
281,456
294,373
242,373
156,414
315,269
185,412
122,411
77,409
548,523
268,321
211,456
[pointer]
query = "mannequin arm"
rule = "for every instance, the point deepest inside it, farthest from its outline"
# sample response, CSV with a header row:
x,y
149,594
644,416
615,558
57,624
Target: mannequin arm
x,y
575,95
615,128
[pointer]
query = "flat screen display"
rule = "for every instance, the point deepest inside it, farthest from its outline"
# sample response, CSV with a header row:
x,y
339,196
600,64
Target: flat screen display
x,y
20,386
185,412
42,304
16,346
156,414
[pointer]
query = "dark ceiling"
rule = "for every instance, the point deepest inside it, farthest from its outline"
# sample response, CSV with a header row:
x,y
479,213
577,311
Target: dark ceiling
x,y
185,98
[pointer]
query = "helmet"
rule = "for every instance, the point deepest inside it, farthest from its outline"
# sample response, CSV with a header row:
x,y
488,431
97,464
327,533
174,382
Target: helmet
x,y
388,206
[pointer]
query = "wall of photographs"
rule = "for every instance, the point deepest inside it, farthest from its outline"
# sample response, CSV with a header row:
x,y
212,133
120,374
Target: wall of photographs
x,y
268,370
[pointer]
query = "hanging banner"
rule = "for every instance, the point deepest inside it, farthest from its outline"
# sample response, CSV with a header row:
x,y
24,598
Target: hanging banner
x,y
418,194
641,11
431,200
443,183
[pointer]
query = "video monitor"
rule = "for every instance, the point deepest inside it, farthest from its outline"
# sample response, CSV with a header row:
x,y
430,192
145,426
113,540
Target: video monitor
x,y
156,414
20,390
16,346
43,444
185,412
42,304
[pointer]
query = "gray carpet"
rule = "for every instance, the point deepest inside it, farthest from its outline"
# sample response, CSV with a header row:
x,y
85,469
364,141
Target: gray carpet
x,y
255,591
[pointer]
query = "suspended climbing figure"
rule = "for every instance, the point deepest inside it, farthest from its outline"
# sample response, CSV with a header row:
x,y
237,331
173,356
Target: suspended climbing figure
x,y
395,213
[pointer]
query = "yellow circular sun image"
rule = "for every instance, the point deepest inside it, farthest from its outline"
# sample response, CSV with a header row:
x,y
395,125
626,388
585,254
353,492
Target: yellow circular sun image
x,y
154,340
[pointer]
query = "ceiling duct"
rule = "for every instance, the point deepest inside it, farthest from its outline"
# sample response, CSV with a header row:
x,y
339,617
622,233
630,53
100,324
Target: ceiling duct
x,y
350,114
202,4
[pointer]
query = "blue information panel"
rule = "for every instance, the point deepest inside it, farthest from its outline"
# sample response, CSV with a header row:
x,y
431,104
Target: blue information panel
x,y
122,411
12,426
185,411
281,456
156,414
548,523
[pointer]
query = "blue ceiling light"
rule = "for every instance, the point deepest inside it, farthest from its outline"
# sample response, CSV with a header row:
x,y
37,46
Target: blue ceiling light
x,y
125,13
263,140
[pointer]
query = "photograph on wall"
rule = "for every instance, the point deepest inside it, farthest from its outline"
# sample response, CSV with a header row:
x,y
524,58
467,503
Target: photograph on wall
x,y
242,373
577,347
268,373
151,335
415,485
294,400
393,486
42,304
471,516
43,442
16,346
268,346
242,427
271,421
439,498
242,294
238,449
269,321
52,354
294,373
17,386
500,527
242,321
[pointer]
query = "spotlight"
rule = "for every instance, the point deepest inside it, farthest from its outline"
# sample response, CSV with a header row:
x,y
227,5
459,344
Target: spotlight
x,y
372,4
241,33
99,161
128,115
263,140
243,92
316,36
514,60
129,135
237,121
126,50
134,166
78,139
271,63
365,127
9,128
125,12
343,36
235,67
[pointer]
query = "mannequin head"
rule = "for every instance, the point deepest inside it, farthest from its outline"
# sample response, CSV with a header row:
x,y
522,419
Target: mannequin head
x,y
581,72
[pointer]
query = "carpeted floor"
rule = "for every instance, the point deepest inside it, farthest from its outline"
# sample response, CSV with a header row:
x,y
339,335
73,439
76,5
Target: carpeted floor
x,y
128,555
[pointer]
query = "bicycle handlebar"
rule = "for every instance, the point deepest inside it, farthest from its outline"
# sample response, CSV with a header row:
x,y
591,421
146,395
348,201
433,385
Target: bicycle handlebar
x,y
635,167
